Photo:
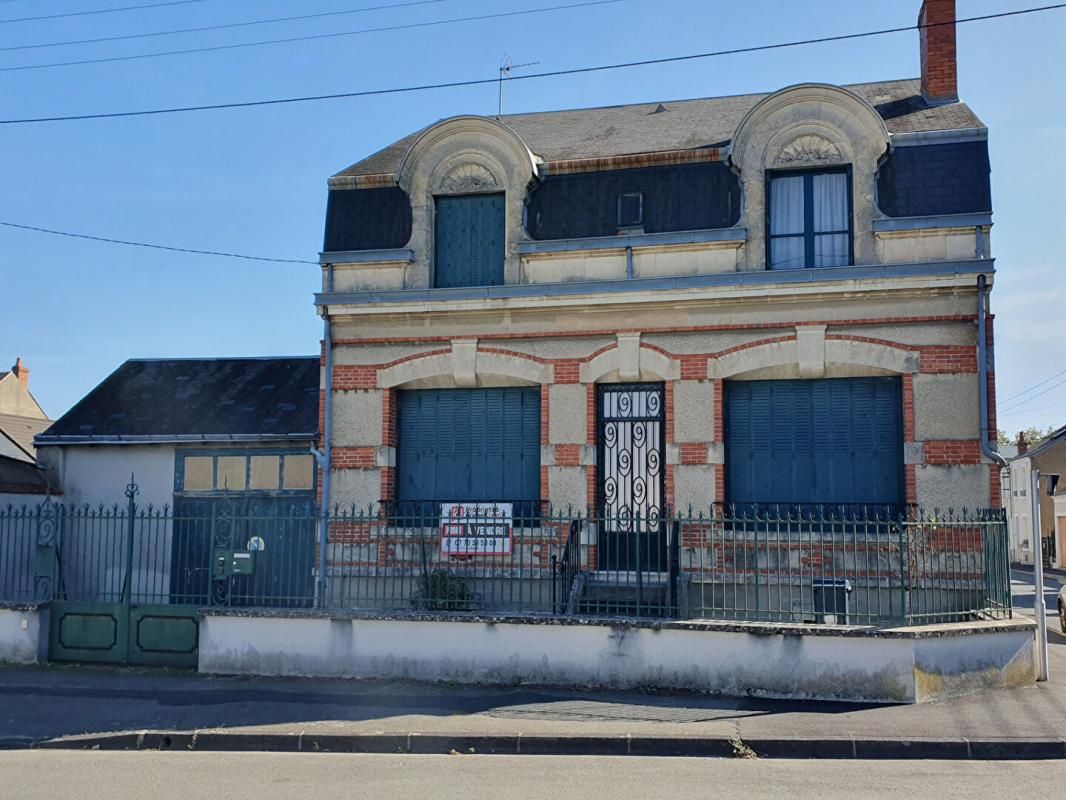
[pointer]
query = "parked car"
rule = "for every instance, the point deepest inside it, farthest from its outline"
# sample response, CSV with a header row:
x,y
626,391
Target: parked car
x,y
1062,610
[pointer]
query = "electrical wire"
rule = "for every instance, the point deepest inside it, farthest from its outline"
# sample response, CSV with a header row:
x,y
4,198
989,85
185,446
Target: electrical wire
x,y
312,37
1034,386
1028,410
194,251
519,77
102,11
226,26
1019,404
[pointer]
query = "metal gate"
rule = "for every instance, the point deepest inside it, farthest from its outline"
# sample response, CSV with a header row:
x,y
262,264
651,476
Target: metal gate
x,y
631,493
243,550
127,584
110,600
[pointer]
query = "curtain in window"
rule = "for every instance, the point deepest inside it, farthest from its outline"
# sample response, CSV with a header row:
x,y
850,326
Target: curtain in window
x,y
786,217
830,197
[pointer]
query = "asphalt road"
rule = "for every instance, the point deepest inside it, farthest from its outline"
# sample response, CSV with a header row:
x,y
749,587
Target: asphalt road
x,y
58,775
1023,588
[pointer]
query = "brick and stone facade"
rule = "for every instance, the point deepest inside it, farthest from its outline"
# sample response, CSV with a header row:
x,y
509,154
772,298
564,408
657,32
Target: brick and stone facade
x,y
691,309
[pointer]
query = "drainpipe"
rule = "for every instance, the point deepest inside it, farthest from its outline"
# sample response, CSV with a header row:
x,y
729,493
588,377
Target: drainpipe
x,y
982,370
323,455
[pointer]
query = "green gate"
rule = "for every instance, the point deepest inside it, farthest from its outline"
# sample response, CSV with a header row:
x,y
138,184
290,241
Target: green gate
x,y
126,584
109,575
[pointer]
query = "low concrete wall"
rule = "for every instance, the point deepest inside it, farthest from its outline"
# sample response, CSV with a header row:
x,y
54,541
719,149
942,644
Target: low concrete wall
x,y
23,634
771,660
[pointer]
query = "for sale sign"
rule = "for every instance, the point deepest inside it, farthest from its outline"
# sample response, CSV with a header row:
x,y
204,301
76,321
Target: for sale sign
x,y
476,529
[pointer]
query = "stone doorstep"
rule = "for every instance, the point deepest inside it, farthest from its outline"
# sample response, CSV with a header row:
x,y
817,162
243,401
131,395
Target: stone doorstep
x,y
612,579
985,749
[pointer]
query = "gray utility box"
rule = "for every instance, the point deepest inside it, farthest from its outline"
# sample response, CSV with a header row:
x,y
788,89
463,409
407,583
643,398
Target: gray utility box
x,y
831,600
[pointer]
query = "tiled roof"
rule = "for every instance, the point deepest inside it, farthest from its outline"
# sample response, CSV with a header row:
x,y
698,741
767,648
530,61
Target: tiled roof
x,y
19,431
188,398
685,124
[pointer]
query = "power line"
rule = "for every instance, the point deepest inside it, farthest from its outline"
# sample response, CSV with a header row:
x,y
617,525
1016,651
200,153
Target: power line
x,y
1028,410
219,27
527,76
108,240
311,37
1034,386
102,11
1020,403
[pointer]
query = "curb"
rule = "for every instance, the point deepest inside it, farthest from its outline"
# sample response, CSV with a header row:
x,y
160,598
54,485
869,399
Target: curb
x,y
989,749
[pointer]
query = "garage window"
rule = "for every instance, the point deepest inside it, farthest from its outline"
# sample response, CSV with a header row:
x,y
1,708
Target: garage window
x,y
468,445
254,471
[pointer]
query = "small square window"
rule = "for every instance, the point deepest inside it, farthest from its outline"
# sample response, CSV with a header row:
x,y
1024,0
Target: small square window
x,y
630,209
299,472
265,472
231,473
199,474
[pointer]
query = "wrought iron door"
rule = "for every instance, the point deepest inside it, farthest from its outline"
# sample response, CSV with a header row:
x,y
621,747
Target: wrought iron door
x,y
631,450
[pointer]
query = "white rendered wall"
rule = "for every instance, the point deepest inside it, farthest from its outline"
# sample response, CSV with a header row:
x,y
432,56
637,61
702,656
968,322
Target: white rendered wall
x,y
726,660
97,474
20,635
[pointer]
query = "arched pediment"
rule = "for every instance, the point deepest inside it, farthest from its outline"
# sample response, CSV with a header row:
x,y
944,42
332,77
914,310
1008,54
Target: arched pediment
x,y
496,144
808,123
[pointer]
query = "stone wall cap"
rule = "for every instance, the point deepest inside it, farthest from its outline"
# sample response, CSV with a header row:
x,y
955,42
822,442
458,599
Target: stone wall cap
x,y
933,631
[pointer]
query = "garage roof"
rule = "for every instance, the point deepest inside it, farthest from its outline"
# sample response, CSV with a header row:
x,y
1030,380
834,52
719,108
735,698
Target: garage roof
x,y
196,399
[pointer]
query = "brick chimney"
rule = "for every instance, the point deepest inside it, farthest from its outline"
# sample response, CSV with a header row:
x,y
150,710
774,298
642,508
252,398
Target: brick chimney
x,y
936,22
22,373
1023,445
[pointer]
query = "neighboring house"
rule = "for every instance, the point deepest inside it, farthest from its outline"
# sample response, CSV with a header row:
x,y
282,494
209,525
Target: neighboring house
x,y
768,298
1008,452
188,431
1048,456
21,418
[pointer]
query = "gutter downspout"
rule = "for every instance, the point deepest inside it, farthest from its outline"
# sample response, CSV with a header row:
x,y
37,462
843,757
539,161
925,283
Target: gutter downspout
x,y
324,455
983,358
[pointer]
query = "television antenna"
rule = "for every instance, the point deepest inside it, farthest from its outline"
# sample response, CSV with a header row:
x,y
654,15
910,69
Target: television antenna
x,y
506,65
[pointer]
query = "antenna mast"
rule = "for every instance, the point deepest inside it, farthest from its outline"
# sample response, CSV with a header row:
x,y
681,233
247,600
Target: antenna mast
x,y
506,65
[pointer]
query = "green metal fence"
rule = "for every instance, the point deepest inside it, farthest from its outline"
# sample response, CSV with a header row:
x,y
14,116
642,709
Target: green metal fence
x,y
815,564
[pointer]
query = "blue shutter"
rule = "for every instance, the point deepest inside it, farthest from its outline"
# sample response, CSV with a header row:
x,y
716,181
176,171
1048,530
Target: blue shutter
x,y
824,441
469,445
469,240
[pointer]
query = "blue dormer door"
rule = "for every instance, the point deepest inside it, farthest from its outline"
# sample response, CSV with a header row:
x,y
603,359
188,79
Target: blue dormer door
x,y
469,240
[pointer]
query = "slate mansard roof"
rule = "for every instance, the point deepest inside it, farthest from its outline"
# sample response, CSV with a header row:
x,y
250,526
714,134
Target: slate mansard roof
x,y
210,399
684,125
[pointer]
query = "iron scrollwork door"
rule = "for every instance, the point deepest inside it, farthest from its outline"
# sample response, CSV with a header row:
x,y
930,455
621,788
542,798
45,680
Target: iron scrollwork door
x,y
631,449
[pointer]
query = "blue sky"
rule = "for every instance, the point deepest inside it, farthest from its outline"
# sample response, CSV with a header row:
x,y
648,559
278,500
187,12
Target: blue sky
x,y
253,181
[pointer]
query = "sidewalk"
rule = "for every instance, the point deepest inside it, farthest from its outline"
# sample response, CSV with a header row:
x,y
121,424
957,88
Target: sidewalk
x,y
81,707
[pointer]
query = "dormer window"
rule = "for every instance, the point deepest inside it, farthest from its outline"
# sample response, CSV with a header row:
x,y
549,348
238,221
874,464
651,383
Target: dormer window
x,y
809,219
469,240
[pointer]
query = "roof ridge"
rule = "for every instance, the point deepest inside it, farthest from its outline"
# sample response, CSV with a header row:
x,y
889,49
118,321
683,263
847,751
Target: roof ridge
x,y
688,99
220,358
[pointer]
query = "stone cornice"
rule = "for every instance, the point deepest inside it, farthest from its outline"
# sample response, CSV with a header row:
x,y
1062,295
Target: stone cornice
x,y
791,285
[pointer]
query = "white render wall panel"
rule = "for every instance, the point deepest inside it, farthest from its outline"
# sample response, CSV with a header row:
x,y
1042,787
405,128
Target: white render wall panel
x,y
733,660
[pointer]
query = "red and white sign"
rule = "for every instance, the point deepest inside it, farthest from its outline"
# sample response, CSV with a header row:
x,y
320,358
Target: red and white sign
x,y
476,529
